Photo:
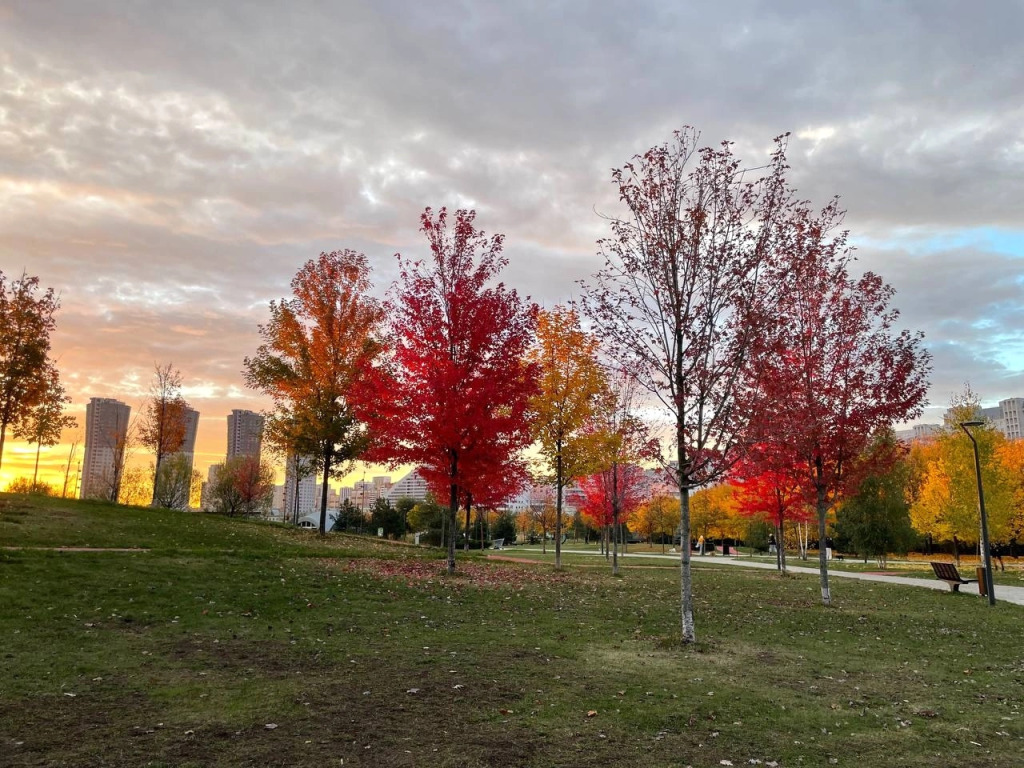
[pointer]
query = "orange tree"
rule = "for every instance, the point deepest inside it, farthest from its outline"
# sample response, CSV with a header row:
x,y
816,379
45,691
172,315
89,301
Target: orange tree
x,y
946,505
715,513
658,516
570,382
26,321
315,348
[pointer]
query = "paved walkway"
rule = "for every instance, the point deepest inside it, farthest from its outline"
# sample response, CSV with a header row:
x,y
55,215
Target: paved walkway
x,y
1004,594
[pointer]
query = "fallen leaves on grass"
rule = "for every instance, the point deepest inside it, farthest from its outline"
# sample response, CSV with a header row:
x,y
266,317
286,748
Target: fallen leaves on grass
x,y
421,572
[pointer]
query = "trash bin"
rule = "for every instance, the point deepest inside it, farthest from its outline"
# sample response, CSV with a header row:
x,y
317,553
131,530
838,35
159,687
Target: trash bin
x,y
982,581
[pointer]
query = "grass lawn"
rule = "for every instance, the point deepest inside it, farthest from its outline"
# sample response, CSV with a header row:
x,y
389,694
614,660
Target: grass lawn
x,y
233,643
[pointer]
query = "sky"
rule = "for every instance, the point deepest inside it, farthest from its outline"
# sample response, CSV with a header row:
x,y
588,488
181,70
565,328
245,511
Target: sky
x,y
167,167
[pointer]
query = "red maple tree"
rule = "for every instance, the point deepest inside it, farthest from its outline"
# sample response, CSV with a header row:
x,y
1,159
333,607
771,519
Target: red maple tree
x,y
453,390
612,496
832,369
771,494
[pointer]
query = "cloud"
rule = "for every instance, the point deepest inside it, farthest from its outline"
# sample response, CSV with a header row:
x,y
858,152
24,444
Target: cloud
x,y
168,167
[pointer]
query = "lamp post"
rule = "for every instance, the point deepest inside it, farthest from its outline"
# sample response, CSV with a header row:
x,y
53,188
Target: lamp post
x,y
986,558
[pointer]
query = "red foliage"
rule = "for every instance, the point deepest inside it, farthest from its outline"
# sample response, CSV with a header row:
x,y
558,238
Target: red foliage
x,y
452,395
625,483
832,370
772,495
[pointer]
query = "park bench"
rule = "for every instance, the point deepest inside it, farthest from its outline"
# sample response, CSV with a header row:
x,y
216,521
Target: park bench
x,y
498,544
948,573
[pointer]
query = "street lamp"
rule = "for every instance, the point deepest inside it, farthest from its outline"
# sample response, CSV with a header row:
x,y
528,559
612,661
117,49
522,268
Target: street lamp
x,y
981,504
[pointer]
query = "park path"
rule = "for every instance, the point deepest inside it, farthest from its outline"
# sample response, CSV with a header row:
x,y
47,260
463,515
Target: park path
x,y
1003,593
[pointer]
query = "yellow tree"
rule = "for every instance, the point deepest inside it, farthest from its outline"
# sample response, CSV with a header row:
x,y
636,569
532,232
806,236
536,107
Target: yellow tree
x,y
717,513
1011,456
947,501
571,380
659,516
714,514
931,510
525,523
135,486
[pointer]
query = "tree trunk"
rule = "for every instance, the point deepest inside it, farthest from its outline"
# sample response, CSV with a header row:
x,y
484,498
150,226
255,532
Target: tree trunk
x,y
956,551
558,505
465,543
822,506
3,438
615,518
781,545
323,493
689,634
35,472
295,501
780,548
159,450
453,512
71,457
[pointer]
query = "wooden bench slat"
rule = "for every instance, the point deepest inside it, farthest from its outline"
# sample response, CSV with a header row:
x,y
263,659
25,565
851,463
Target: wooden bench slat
x,y
948,573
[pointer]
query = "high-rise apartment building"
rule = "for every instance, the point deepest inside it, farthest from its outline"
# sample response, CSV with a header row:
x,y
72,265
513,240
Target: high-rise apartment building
x,y
1012,417
1007,417
245,433
366,492
106,432
207,501
188,447
412,486
299,494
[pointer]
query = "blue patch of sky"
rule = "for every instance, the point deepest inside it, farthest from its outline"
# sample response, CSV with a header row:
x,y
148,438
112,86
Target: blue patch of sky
x,y
1006,349
918,241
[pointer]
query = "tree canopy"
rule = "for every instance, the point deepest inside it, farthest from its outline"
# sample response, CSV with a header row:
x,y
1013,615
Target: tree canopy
x,y
26,322
571,382
683,266
453,391
832,367
315,348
